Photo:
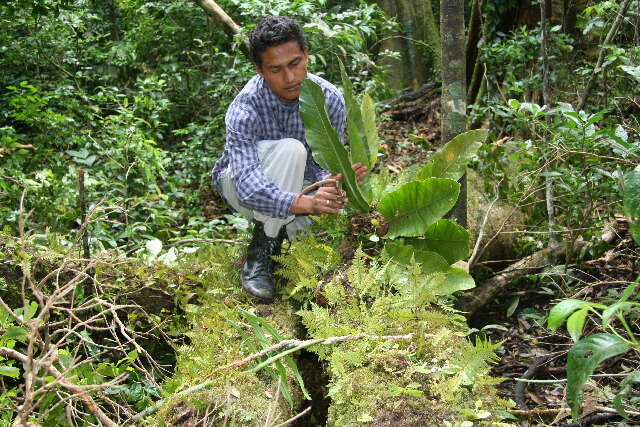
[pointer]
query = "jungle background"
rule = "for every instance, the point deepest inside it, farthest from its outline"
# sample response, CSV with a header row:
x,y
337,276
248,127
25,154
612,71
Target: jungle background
x,y
120,300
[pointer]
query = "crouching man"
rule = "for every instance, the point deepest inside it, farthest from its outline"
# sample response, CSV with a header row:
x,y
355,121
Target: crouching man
x,y
266,160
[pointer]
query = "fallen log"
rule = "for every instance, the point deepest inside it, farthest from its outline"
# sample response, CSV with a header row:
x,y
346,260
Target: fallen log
x,y
495,285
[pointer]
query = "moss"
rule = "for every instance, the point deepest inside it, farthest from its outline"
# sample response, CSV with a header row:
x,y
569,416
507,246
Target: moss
x,y
236,397
422,381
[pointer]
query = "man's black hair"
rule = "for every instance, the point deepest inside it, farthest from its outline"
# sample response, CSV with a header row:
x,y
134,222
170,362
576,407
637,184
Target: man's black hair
x,y
273,31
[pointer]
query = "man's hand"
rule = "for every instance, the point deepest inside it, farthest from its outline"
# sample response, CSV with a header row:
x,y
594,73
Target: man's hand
x,y
329,198
358,168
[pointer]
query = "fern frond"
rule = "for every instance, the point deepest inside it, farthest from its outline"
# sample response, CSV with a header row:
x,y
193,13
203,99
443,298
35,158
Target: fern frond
x,y
474,359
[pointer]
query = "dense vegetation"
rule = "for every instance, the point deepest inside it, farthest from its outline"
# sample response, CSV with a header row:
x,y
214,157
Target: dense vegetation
x,y
119,272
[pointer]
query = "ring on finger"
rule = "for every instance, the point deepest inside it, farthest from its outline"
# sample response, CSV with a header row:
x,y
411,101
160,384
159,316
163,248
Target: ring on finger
x,y
326,201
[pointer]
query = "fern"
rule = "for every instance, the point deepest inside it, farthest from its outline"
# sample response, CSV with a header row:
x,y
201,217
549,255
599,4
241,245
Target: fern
x,y
366,279
474,360
303,264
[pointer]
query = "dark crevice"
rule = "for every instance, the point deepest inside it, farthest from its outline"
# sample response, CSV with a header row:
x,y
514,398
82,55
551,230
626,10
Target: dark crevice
x,y
316,382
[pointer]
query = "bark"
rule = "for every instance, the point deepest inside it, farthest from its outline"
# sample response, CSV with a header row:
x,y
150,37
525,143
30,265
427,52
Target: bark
x,y
227,24
474,66
432,34
596,71
454,86
474,34
418,44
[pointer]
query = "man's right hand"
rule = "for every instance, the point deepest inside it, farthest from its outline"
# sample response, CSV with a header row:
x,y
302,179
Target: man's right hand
x,y
325,200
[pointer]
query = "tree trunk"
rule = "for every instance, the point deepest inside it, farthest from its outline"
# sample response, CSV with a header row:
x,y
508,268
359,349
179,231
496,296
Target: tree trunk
x,y
474,66
432,35
454,88
496,285
418,44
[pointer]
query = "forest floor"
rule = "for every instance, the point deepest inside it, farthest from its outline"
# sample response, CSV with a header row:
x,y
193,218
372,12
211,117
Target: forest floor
x,y
518,316
410,133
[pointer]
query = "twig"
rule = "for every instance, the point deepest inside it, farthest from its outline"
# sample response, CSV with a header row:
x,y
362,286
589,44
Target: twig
x,y
292,419
80,391
318,184
476,247
299,344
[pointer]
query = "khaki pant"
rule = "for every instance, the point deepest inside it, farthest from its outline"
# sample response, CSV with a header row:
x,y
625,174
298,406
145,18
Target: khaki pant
x,y
283,162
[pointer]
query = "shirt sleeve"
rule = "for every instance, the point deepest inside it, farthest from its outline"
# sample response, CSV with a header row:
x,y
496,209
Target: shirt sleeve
x,y
253,188
337,116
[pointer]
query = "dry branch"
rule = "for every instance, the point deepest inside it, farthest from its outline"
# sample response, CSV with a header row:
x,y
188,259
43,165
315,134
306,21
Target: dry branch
x,y
496,284
228,25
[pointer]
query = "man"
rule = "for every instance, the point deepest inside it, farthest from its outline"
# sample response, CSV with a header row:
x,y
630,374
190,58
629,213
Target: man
x,y
266,160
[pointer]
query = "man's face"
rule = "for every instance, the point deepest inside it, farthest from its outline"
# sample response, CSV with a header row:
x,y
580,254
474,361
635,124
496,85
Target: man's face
x,y
284,68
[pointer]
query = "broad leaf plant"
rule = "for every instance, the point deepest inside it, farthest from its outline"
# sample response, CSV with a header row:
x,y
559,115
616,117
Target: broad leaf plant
x,y
414,211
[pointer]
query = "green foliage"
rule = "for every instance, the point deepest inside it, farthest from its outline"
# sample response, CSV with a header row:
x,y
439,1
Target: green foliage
x,y
589,352
261,330
474,360
361,125
583,358
452,159
325,144
306,259
631,201
366,374
446,238
418,204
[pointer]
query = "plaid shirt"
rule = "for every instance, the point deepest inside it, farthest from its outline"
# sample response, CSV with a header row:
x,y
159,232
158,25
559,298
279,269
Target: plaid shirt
x,y
257,114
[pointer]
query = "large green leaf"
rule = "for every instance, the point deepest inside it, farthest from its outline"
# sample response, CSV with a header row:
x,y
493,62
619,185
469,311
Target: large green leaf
x,y
431,262
631,200
416,205
451,160
583,359
575,323
456,279
446,238
17,333
325,145
368,111
355,126
440,278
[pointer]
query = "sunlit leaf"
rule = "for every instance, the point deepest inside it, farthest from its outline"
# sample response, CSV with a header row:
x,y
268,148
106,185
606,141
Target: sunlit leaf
x,y
17,333
575,323
562,310
368,110
355,126
9,371
412,208
446,238
451,160
325,145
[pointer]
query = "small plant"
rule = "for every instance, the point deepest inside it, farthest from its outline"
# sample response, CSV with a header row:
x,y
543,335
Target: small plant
x,y
589,352
414,211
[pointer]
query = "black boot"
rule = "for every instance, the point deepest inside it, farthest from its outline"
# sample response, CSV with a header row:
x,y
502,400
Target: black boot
x,y
257,272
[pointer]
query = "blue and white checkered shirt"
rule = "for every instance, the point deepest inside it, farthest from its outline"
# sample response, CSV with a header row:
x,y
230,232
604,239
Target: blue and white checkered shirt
x,y
257,114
